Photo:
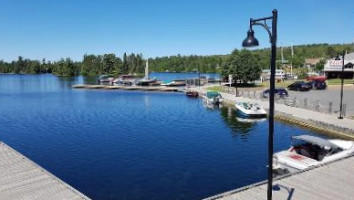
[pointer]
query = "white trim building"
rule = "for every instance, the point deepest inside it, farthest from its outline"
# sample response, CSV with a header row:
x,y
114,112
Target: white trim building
x,y
333,68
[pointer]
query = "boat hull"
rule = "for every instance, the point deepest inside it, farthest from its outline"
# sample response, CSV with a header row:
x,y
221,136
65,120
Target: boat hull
x,y
259,113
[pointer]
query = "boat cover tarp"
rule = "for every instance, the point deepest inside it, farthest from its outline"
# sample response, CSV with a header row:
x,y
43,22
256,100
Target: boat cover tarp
x,y
212,94
316,140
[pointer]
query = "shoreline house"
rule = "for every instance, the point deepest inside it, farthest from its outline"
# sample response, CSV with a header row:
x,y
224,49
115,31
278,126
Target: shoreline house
x,y
333,68
310,63
279,75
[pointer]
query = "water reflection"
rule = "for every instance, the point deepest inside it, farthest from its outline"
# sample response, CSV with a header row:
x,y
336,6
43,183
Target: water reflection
x,y
67,82
90,80
239,126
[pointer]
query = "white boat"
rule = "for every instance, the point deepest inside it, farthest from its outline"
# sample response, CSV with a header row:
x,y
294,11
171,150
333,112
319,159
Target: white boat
x,y
175,83
250,109
126,79
213,97
146,81
308,151
250,120
105,79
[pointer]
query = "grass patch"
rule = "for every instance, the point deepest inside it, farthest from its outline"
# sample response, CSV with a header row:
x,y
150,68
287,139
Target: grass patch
x,y
339,81
282,84
216,88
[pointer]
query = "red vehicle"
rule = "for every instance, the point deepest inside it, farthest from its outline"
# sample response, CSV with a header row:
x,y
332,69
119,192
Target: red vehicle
x,y
316,78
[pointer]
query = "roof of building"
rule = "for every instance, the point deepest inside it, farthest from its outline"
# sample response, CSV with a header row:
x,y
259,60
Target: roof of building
x,y
312,61
349,56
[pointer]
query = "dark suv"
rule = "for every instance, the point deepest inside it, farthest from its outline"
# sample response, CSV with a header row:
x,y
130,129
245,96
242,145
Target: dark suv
x,y
300,86
281,92
319,85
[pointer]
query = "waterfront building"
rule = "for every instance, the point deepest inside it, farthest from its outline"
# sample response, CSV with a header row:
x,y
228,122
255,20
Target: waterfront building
x,y
310,63
333,68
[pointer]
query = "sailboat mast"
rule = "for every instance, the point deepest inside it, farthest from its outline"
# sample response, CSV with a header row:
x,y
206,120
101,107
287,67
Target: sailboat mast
x,y
147,70
292,56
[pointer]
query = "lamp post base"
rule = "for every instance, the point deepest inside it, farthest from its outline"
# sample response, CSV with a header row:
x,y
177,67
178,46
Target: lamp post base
x,y
340,117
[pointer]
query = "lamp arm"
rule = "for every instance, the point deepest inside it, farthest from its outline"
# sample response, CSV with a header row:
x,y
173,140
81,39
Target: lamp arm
x,y
265,26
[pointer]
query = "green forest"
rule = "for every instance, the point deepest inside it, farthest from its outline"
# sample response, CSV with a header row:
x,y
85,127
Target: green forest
x,y
91,65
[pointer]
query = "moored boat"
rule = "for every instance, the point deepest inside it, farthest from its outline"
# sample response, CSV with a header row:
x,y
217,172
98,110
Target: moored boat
x,y
308,151
126,79
192,94
250,109
105,79
146,81
213,97
175,83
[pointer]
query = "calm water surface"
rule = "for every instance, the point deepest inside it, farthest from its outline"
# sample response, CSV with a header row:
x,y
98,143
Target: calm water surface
x,y
130,144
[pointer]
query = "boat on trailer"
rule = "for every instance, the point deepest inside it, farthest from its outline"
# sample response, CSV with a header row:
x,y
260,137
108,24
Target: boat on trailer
x,y
248,109
308,151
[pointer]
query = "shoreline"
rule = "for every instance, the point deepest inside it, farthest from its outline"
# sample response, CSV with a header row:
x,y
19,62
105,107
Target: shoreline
x,y
321,122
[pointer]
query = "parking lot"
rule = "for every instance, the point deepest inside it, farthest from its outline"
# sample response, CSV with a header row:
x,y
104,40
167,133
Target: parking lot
x,y
331,94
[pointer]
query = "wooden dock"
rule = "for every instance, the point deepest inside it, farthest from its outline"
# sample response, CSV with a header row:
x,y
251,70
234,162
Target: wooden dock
x,y
118,87
327,182
20,178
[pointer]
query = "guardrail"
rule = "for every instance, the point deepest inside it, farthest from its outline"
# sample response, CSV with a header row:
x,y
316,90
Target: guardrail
x,y
304,103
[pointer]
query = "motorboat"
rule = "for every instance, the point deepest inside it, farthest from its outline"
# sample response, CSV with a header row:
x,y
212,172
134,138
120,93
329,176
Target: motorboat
x,y
308,151
250,109
192,94
126,79
213,97
146,82
105,79
175,83
250,120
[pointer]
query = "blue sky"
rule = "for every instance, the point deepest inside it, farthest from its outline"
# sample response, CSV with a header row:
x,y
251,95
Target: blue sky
x,y
39,29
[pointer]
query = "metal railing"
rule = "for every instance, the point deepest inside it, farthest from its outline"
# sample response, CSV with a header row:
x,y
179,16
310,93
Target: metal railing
x,y
304,103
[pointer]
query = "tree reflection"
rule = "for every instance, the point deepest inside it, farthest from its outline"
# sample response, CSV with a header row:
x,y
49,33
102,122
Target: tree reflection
x,y
66,82
239,126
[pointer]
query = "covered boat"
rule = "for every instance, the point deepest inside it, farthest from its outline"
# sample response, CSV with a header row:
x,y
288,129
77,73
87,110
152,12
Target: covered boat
x,y
213,97
308,151
250,109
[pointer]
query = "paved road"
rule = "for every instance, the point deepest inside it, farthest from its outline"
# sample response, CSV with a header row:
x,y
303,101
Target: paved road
x,y
331,94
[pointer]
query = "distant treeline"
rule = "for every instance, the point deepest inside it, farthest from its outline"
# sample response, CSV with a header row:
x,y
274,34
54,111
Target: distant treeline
x,y
135,63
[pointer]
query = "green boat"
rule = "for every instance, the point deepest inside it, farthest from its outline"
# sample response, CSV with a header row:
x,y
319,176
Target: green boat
x,y
213,97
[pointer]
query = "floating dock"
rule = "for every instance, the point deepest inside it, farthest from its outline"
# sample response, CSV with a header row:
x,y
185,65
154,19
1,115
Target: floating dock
x,y
20,178
327,182
117,87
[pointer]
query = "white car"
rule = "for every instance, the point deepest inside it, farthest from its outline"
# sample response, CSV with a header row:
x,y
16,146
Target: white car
x,y
310,151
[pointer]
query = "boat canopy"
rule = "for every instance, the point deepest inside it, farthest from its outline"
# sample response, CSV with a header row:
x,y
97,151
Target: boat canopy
x,y
316,140
213,94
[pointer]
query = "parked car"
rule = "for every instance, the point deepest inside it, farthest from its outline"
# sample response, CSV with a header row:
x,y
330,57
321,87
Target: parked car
x,y
300,86
319,85
279,92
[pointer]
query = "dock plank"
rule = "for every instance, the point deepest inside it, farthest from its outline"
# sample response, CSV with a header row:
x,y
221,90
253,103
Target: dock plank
x,y
331,181
20,178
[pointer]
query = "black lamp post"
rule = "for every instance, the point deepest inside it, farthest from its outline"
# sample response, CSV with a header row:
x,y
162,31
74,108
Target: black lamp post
x,y
341,90
251,41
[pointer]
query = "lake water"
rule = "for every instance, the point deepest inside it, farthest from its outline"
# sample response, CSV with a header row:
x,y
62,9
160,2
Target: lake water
x,y
131,144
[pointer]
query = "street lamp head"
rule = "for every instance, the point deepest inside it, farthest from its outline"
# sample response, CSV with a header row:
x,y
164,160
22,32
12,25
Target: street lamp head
x,y
250,41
